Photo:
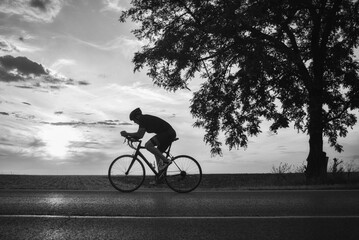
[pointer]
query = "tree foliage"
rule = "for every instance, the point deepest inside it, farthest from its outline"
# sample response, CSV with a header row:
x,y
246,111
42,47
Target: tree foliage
x,y
277,60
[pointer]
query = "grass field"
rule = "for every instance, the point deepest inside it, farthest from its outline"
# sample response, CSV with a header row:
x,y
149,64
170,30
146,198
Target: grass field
x,y
209,181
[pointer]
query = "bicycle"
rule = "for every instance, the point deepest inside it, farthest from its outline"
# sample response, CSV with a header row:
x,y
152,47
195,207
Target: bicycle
x,y
127,172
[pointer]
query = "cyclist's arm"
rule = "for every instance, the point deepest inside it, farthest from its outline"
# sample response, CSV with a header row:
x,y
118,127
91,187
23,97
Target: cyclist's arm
x,y
139,134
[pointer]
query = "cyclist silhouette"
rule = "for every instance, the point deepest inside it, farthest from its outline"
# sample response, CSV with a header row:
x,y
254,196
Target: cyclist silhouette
x,y
158,144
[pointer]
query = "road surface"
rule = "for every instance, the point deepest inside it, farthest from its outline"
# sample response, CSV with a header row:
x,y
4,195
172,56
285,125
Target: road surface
x,y
307,214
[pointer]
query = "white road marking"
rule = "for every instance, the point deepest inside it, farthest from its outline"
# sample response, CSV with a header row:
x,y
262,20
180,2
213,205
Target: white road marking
x,y
179,217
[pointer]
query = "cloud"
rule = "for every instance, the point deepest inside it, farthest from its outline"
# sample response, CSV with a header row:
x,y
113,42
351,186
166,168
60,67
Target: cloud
x,y
19,115
5,142
22,65
61,63
6,46
83,83
126,45
15,40
115,5
37,143
40,4
84,113
143,94
34,10
85,144
111,123
32,75
123,42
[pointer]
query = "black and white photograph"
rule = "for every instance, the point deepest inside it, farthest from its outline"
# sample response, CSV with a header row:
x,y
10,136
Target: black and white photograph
x,y
179,119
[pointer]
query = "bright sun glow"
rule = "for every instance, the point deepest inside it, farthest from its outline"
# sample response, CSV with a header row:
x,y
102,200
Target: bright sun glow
x,y
58,139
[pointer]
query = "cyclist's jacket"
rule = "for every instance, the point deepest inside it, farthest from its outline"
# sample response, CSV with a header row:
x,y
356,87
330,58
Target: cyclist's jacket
x,y
154,124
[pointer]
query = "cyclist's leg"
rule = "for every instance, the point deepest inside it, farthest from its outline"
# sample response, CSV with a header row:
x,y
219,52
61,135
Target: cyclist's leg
x,y
151,147
165,139
162,141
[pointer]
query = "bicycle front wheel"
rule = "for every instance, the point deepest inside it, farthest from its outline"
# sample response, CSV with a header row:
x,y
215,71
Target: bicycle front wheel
x,y
126,174
184,174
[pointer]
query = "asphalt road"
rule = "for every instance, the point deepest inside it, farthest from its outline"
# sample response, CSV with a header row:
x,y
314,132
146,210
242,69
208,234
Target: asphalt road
x,y
251,215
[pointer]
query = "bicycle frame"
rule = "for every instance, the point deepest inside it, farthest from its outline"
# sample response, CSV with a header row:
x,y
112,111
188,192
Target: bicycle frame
x,y
143,158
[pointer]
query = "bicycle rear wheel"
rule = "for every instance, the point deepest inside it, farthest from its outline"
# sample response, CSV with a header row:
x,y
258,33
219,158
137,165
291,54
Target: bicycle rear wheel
x,y
126,174
184,174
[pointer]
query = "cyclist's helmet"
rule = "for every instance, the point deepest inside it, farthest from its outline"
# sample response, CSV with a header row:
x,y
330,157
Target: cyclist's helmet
x,y
134,113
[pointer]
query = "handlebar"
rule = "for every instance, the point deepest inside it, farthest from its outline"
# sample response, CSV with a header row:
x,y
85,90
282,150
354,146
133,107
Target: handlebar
x,y
131,141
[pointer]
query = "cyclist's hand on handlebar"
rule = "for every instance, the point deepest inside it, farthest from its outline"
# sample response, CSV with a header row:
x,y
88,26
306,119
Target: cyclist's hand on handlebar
x,y
129,137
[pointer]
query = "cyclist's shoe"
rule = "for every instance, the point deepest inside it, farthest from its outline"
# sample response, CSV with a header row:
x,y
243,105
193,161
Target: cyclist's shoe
x,y
164,165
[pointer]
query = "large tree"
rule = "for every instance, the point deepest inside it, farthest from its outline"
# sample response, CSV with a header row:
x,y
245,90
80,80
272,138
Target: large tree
x,y
277,60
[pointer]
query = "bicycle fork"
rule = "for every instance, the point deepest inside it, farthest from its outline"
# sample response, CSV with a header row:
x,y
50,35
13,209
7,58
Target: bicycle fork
x,y
132,162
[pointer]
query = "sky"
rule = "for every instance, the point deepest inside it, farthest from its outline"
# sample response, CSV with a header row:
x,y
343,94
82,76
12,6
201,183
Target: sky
x,y
67,86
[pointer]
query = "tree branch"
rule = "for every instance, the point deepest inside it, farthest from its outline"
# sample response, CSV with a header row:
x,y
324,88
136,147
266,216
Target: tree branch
x,y
330,19
280,46
291,38
190,13
345,108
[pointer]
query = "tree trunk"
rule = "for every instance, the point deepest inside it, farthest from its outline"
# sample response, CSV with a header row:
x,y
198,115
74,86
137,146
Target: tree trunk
x,y
317,161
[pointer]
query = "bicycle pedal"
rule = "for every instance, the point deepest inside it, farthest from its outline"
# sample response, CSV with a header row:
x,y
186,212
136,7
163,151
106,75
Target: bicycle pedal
x,y
161,174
